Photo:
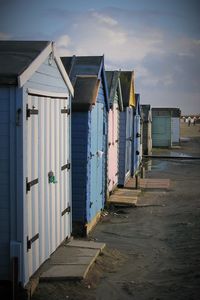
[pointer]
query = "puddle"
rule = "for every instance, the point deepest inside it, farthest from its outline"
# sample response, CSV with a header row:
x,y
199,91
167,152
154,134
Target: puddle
x,y
161,165
173,153
185,139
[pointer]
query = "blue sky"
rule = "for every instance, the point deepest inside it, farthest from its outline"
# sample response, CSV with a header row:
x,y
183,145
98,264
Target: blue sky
x,y
159,39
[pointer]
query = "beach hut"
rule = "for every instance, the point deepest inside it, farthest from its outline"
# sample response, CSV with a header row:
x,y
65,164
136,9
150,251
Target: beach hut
x,y
147,129
137,137
35,188
176,115
161,127
89,139
116,105
165,126
126,126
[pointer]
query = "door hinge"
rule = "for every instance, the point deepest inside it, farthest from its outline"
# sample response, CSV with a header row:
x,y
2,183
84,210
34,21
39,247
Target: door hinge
x,y
138,135
30,184
31,111
66,210
31,241
67,166
65,111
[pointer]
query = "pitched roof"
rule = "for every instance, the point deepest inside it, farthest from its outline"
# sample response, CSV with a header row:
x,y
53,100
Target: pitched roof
x,y
16,56
82,65
85,92
126,78
114,86
146,112
20,59
89,67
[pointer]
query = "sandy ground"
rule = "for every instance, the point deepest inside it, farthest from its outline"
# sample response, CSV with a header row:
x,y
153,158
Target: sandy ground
x,y
153,252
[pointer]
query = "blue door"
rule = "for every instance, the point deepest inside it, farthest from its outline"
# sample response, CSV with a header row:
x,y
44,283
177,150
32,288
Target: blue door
x,y
96,162
100,156
137,122
128,139
92,176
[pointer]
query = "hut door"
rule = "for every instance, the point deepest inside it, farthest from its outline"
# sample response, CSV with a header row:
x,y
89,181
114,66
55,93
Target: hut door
x,y
128,139
92,205
48,177
100,156
137,137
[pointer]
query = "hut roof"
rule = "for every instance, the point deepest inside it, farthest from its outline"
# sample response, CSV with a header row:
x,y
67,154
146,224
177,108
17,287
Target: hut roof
x,y
114,86
20,59
85,92
16,57
127,86
82,70
173,111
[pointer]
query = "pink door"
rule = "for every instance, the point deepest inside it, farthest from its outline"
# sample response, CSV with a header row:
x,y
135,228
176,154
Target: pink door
x,y
113,143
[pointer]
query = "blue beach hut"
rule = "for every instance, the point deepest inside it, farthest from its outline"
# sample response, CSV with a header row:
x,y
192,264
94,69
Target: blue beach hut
x,y
89,139
126,126
137,137
35,178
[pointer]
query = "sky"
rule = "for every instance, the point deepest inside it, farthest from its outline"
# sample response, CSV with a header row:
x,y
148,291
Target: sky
x,y
158,39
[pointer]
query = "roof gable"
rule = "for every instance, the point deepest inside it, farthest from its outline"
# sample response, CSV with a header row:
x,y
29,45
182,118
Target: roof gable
x,y
114,86
127,86
86,66
20,59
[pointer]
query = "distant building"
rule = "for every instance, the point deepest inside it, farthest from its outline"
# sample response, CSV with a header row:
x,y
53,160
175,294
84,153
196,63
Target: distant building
x,y
165,127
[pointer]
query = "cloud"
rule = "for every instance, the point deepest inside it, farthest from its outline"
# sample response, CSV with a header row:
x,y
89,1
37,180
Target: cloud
x,y
96,33
165,64
105,19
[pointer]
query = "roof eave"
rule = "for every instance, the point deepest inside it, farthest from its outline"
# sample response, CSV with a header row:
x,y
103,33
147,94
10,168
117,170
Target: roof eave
x,y
102,70
25,75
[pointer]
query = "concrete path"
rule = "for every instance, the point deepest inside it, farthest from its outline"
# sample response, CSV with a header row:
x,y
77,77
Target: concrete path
x,y
71,261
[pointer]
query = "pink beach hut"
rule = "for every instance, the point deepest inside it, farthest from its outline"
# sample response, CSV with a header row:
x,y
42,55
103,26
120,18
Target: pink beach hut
x,y
116,105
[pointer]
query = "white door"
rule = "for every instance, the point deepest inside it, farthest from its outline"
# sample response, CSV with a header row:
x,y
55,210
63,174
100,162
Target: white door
x,y
48,177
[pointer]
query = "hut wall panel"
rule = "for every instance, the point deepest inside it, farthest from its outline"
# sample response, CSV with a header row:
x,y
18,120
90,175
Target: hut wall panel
x,y
122,148
79,164
104,130
47,78
175,130
4,183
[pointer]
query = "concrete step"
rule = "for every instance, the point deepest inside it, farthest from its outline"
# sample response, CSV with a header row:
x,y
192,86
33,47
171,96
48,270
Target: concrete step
x,y
71,261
